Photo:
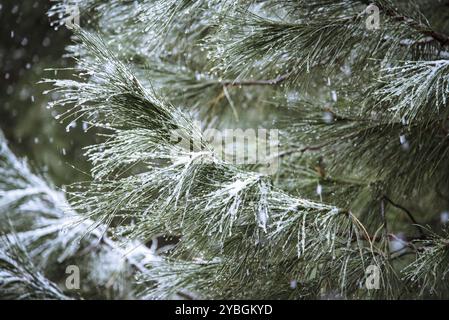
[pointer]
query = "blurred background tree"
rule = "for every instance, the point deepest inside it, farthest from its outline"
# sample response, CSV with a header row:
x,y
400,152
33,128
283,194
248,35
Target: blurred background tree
x,y
28,46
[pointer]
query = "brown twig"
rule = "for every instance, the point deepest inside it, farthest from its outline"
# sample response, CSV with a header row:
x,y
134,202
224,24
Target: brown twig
x,y
408,213
302,150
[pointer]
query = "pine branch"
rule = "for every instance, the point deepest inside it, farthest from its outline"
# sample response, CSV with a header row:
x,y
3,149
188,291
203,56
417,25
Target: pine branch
x,y
174,188
20,279
428,272
356,137
47,232
242,233
412,91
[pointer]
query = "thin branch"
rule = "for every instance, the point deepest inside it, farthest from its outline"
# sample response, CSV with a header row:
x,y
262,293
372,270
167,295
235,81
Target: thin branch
x,y
235,83
302,150
408,213
442,38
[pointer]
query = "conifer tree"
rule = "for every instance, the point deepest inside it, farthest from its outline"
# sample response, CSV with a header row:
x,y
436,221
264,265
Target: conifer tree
x,y
353,203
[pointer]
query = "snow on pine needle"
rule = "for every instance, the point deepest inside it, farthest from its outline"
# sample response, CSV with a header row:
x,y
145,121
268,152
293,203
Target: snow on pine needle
x,y
43,234
150,185
19,278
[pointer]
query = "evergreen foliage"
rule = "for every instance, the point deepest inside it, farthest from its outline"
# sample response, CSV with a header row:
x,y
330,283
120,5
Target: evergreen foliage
x,y
362,176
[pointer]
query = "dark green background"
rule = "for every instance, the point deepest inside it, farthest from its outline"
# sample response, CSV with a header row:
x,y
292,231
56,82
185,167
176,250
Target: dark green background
x,y
28,46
